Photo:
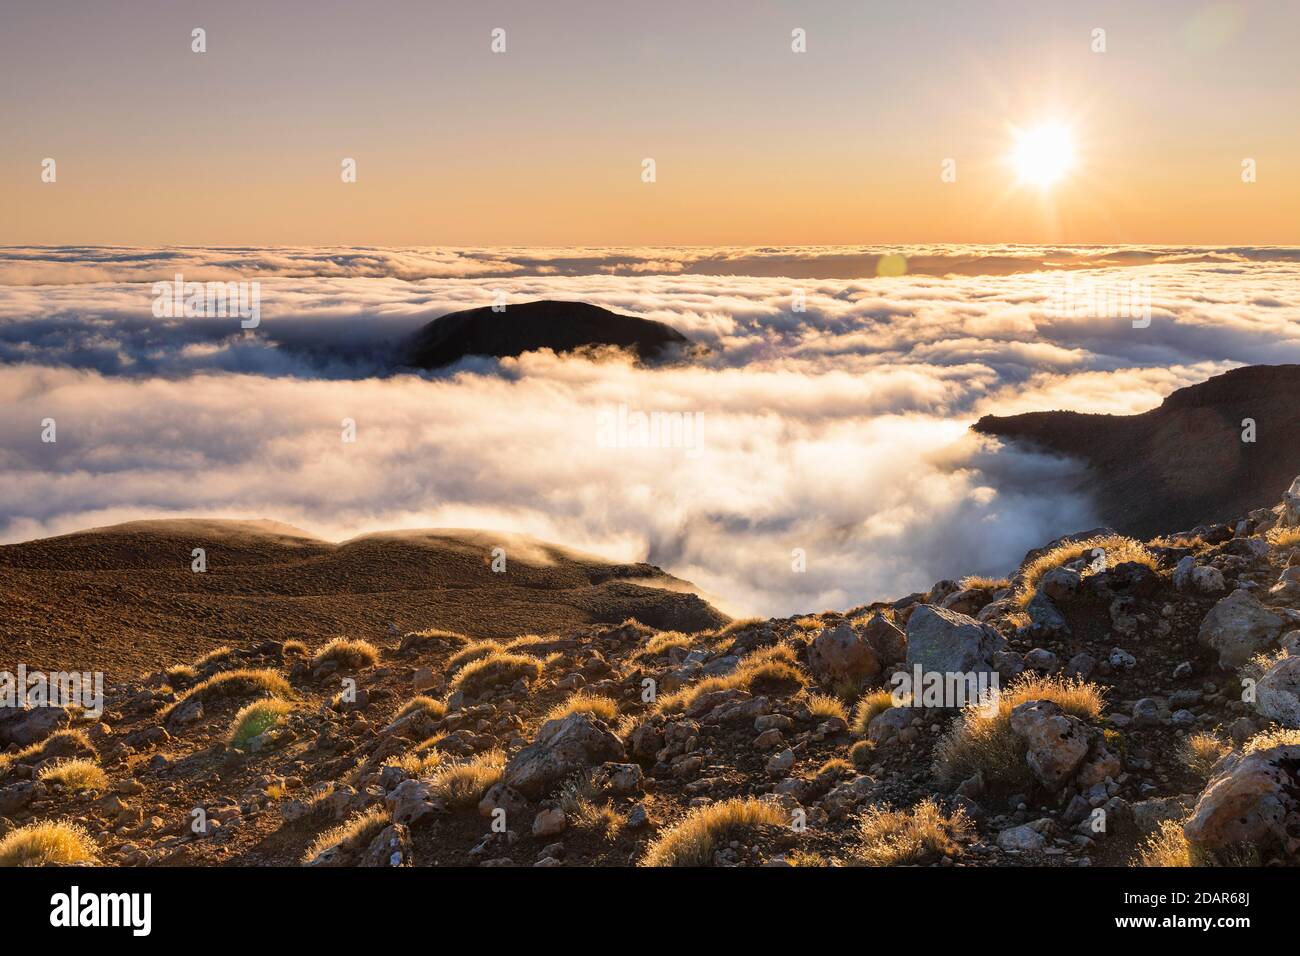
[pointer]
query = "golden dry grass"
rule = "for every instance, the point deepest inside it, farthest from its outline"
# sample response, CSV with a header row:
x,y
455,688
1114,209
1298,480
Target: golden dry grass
x,y
354,833
218,655
499,667
524,642
766,669
663,642
1118,549
45,844
740,624
982,739
976,582
1283,537
870,706
180,674
238,683
806,858
473,651
293,648
347,653
906,838
1279,737
602,708
862,754
422,759
692,842
256,718
824,707
421,702
462,783
1202,751
583,812
75,774
54,743
1167,847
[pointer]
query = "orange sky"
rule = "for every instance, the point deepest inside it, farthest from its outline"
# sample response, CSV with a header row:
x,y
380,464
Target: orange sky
x,y
543,144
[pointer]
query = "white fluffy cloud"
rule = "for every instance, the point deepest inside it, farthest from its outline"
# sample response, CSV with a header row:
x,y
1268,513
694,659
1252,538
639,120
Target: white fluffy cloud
x,y
841,430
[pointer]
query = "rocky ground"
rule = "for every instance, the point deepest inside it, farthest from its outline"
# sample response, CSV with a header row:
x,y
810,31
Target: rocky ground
x,y
1148,715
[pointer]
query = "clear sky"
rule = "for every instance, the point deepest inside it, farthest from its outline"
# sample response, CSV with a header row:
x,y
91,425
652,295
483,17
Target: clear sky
x,y
543,144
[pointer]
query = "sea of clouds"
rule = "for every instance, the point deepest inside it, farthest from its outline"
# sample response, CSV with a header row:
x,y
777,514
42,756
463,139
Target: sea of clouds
x,y
841,430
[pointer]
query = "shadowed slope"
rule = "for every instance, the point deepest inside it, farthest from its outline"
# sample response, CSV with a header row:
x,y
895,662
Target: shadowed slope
x,y
1183,463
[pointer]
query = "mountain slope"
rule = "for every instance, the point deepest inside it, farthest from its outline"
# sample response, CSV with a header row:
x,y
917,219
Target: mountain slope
x,y
1183,463
124,597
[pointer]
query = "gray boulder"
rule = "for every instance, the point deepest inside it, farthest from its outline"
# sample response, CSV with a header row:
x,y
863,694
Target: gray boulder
x,y
1239,627
950,643
1277,695
563,747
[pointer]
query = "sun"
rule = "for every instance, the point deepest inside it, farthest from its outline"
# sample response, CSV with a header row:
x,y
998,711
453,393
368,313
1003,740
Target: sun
x,y
1043,155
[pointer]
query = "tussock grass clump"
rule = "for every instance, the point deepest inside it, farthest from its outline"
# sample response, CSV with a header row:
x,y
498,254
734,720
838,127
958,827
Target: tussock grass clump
x,y
1282,537
75,774
239,683
46,844
352,835
663,642
218,655
824,707
1279,737
59,742
977,582
602,708
862,754
422,759
293,648
462,783
255,719
769,669
1118,549
180,674
1202,751
421,702
806,858
740,624
347,652
419,640
693,841
905,838
868,708
473,651
499,667
982,739
1167,847
578,801
523,642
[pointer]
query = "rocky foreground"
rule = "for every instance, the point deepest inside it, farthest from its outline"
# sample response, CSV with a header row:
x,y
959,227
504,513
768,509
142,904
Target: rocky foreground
x,y
1149,713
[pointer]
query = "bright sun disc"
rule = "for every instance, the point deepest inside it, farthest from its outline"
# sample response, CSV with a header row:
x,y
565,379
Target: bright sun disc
x,y
1043,154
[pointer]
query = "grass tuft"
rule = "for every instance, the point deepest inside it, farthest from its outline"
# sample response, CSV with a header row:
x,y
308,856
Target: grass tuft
x,y
980,740
869,707
354,833
46,844
602,708
663,642
348,653
824,707
75,774
239,683
462,783
497,668
255,719
692,842
768,669
57,742
434,708
1118,549
906,838
1202,751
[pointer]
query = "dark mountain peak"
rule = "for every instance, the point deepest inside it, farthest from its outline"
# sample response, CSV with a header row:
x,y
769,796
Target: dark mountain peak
x,y
1185,462
529,326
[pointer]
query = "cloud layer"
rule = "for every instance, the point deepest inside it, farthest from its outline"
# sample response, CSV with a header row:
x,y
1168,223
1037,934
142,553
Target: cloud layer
x,y
839,430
